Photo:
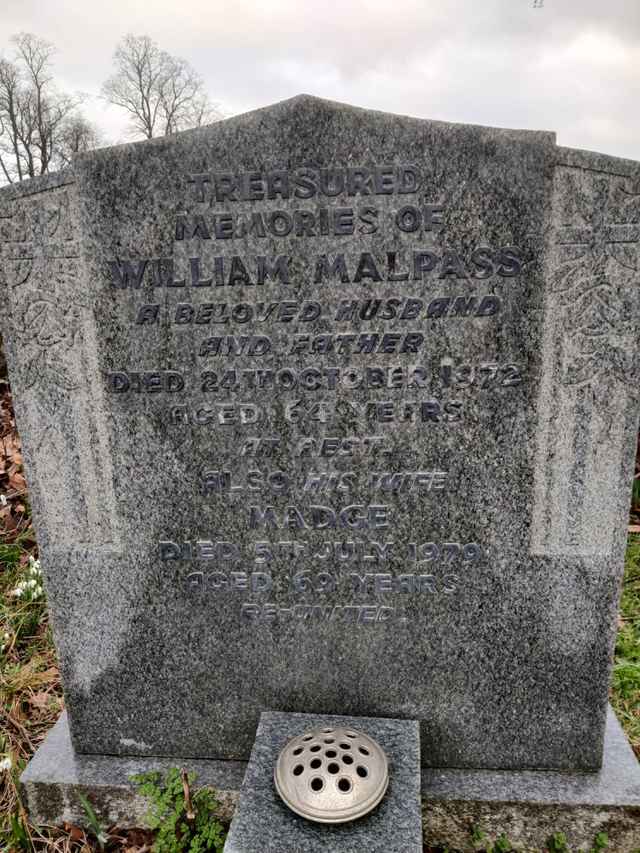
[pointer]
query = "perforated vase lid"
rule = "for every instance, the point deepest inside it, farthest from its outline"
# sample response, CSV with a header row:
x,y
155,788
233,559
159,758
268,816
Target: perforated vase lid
x,y
332,775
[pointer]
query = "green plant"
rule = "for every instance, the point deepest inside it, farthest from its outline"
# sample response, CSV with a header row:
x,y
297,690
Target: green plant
x,y
600,842
184,820
558,843
625,693
94,824
9,556
18,838
502,845
477,835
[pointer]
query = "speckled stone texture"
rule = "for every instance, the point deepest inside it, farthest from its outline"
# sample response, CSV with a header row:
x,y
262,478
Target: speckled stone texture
x,y
526,805
529,806
263,824
57,775
331,411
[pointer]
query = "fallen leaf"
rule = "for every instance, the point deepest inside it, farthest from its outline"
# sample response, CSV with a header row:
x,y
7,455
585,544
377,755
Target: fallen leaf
x,y
9,522
40,699
75,832
17,481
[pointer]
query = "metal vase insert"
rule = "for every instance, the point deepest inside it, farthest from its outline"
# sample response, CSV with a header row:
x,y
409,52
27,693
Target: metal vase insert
x,y
332,775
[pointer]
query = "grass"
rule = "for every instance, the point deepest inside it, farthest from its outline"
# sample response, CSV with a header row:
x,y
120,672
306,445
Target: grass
x,y
625,692
30,691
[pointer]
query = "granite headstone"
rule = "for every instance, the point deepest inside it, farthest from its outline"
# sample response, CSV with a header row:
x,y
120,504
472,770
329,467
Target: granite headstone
x,y
331,411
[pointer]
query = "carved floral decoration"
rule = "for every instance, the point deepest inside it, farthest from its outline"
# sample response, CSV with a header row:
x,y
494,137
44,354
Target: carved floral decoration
x,y
598,249
39,267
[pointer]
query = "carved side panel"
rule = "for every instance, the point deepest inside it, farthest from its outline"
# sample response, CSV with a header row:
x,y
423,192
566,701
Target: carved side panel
x,y
50,333
590,365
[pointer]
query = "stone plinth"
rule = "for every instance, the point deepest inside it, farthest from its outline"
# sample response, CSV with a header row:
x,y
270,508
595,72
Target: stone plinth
x,y
529,806
526,805
263,824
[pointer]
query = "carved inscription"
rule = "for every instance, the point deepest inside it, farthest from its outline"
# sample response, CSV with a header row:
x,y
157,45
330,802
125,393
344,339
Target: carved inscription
x,y
320,364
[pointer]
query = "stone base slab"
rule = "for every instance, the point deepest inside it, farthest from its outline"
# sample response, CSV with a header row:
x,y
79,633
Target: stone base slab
x,y
528,806
263,824
56,775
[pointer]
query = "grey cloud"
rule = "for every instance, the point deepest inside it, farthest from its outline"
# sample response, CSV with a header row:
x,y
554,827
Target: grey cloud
x,y
572,66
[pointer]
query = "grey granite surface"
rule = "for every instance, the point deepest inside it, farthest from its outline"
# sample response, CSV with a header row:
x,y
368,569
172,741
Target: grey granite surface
x,y
616,784
526,805
223,346
530,806
263,824
57,775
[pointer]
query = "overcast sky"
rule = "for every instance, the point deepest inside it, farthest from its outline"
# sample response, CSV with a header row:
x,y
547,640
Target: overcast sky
x,y
572,66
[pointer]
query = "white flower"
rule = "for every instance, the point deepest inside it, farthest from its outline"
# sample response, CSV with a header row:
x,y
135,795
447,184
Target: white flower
x,y
3,500
33,586
5,764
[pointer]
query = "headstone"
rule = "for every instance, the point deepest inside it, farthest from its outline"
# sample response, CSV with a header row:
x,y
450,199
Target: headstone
x,y
330,411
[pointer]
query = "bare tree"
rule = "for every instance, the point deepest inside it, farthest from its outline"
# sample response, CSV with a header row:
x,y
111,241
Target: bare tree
x,y
75,136
14,134
162,93
35,118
